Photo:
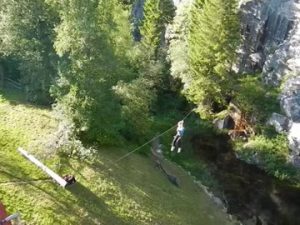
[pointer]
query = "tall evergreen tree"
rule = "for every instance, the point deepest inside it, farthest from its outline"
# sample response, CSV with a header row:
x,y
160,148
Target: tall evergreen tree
x,y
89,41
213,39
139,94
151,27
178,39
157,14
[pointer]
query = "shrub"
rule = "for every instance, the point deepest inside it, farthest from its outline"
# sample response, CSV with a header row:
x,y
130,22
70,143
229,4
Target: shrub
x,y
270,153
256,99
65,142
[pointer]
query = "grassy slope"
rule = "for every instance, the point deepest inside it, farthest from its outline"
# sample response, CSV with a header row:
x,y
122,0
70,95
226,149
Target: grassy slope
x,y
132,192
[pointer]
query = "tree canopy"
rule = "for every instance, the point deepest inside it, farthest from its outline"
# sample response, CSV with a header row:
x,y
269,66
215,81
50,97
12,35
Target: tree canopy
x,y
212,43
81,57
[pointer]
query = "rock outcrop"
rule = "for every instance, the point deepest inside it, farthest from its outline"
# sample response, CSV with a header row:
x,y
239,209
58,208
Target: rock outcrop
x,y
266,25
281,123
271,35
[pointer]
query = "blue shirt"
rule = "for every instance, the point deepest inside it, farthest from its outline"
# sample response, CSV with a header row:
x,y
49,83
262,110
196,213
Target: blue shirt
x,y
180,131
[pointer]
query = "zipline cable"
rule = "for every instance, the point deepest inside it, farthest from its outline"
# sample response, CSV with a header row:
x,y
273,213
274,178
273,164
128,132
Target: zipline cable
x,y
131,152
115,162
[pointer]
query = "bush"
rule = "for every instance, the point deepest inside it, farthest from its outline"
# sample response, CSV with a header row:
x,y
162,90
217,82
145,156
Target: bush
x,y
65,142
255,99
270,153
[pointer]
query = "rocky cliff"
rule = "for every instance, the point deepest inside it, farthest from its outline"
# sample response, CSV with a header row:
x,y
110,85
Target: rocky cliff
x,y
271,45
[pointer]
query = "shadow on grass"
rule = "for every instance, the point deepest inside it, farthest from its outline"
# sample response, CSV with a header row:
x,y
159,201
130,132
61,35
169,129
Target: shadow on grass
x,y
97,209
18,97
81,204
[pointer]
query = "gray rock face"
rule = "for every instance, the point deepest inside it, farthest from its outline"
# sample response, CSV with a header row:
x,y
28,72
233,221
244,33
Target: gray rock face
x,y
271,32
294,144
280,122
294,139
290,98
295,160
265,25
286,58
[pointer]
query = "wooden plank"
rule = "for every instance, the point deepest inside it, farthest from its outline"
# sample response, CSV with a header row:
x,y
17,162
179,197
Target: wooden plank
x,y
39,164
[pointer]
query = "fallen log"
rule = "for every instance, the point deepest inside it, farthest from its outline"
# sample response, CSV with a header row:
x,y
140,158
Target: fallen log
x,y
39,164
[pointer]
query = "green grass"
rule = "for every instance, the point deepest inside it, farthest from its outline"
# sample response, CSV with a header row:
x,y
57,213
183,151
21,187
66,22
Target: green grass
x,y
270,151
130,192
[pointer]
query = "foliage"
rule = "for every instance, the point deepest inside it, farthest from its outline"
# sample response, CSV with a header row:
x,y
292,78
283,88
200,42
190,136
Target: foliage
x,y
177,37
136,106
89,46
157,13
105,193
213,39
151,27
255,99
65,143
2,100
26,34
138,95
85,52
269,152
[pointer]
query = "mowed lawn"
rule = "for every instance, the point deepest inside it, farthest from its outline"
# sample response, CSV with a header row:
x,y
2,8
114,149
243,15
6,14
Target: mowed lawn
x,y
130,192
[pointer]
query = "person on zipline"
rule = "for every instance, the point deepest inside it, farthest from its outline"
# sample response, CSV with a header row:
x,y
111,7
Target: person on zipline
x,y
176,143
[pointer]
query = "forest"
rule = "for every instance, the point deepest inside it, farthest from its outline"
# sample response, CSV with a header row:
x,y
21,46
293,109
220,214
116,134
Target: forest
x,y
84,84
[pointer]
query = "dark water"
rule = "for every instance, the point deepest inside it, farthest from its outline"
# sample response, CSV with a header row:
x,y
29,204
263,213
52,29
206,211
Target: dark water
x,y
250,194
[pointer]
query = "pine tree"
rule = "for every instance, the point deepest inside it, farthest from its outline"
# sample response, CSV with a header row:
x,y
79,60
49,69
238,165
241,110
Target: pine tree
x,y
178,46
151,27
138,96
213,39
157,14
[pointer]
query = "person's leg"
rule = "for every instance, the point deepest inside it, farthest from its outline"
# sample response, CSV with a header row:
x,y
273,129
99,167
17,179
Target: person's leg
x,y
174,142
178,144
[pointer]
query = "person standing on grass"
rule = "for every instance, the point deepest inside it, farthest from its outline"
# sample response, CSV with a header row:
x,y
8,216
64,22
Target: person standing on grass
x,y
176,143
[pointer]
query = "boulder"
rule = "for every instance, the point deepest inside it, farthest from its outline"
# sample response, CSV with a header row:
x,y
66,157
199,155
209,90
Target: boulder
x,y
294,139
226,123
290,98
291,107
279,122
